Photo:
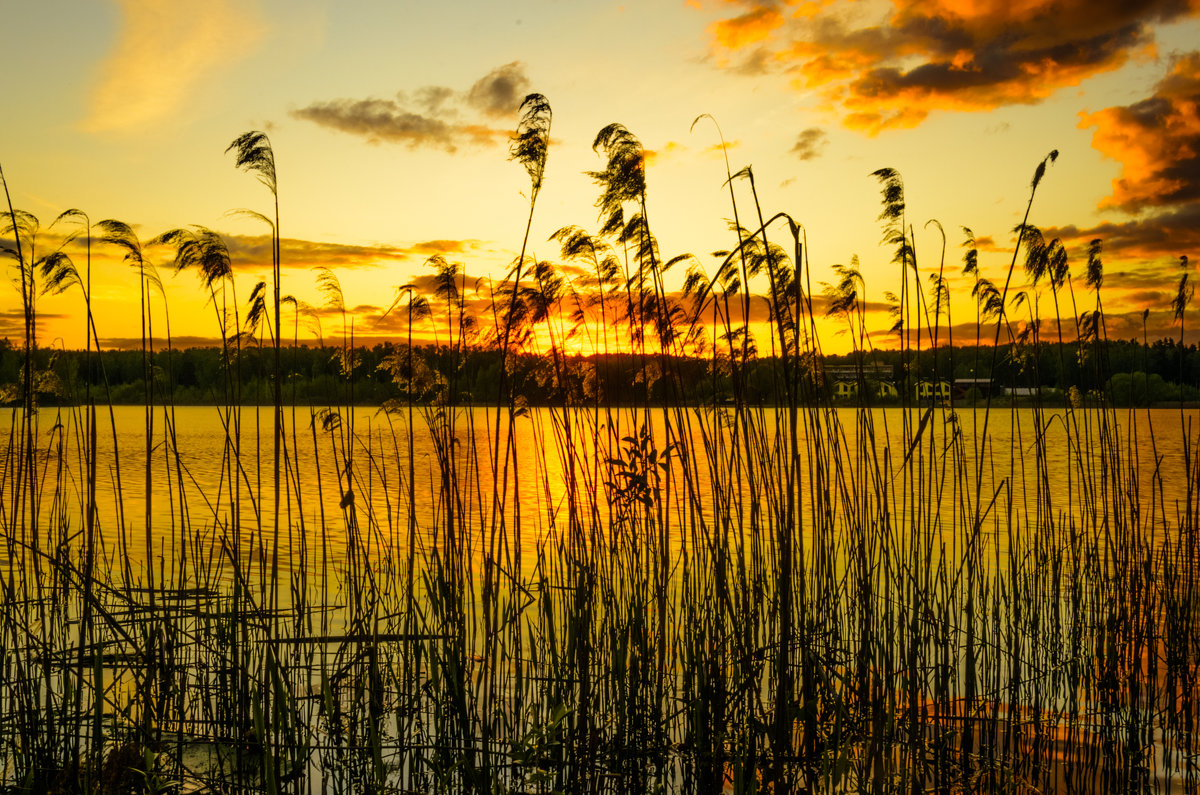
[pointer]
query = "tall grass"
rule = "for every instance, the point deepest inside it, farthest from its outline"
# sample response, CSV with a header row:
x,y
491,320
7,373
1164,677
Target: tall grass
x,y
608,593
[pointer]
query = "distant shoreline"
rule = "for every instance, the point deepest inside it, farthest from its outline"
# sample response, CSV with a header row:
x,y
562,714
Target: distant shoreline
x,y
998,402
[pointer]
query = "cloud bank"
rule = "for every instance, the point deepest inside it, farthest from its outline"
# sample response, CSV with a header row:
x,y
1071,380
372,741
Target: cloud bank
x,y
1156,140
926,55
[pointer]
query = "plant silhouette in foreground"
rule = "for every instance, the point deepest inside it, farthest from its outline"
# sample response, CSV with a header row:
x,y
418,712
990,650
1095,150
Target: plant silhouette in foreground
x,y
765,590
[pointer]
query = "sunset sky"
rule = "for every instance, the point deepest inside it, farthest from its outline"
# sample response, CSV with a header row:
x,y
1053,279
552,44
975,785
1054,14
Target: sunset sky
x,y
390,125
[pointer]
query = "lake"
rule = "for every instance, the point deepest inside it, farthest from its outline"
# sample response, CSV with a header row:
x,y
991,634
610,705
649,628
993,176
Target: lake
x,y
630,600
193,481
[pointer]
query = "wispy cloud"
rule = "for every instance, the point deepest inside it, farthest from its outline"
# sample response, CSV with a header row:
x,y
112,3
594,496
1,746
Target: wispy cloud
x,y
164,50
431,116
1156,324
667,150
12,324
179,343
809,143
891,71
251,251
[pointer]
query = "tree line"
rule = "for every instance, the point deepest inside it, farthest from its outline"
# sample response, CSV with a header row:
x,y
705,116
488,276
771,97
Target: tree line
x,y
1126,371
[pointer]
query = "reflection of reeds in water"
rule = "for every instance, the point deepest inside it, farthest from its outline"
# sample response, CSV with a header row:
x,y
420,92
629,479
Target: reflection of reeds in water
x,y
749,595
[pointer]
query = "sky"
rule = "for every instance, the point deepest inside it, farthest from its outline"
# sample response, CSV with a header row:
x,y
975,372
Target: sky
x,y
390,126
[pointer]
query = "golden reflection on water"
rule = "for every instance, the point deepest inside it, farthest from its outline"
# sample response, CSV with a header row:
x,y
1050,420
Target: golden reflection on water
x,y
196,481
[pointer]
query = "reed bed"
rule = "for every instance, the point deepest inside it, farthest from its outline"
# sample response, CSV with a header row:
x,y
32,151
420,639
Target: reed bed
x,y
607,594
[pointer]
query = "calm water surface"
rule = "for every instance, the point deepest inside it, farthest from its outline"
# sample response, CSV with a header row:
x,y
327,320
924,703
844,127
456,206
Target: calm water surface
x,y
354,470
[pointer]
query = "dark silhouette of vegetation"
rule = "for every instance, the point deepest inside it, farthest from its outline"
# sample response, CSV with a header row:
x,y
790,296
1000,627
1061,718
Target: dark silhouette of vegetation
x,y
687,563
315,376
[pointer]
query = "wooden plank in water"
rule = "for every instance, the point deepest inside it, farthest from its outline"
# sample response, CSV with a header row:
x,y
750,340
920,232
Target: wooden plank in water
x,y
356,638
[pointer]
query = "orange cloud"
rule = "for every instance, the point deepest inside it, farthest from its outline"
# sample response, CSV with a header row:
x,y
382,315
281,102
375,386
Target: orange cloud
x,y
927,55
810,8
752,27
1156,140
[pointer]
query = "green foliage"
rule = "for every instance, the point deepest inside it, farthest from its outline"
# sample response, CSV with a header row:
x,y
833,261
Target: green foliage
x,y
1143,389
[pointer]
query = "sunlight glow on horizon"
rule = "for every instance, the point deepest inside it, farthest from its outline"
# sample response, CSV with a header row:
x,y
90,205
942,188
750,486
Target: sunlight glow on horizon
x,y
374,207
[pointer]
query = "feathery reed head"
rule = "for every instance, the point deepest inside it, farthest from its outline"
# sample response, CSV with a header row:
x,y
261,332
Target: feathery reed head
x,y
623,177
1057,266
256,308
445,275
989,300
253,153
201,249
121,235
575,242
892,215
893,194
1095,267
1036,251
1183,294
19,223
531,143
419,305
330,288
843,296
971,257
58,273
1040,171
79,217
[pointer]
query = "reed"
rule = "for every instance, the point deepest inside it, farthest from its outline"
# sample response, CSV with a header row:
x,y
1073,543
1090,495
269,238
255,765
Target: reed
x,y
771,591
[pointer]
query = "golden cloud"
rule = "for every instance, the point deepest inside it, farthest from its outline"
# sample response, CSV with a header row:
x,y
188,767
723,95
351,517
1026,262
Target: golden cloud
x,y
752,27
165,49
251,251
652,156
